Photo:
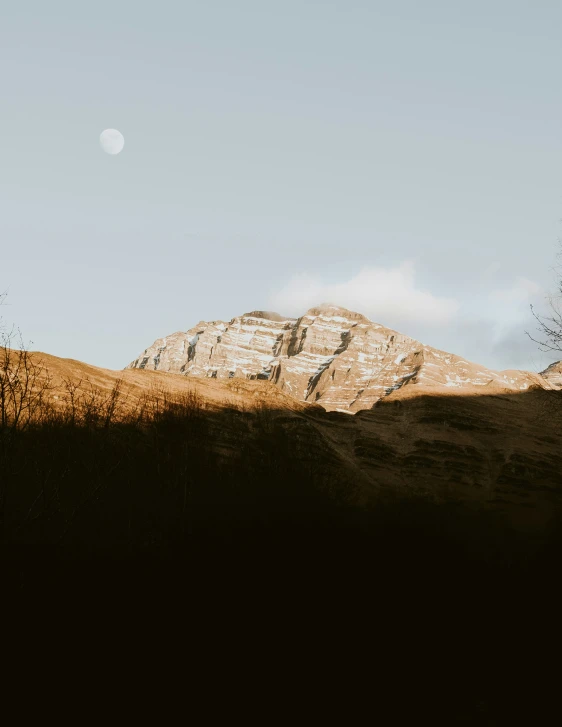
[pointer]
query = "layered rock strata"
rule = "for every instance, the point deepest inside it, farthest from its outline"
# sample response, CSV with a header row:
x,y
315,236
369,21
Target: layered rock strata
x,y
553,374
330,356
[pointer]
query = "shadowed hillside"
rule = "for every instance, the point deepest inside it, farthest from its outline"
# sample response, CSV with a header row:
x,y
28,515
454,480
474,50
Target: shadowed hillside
x,y
432,520
124,460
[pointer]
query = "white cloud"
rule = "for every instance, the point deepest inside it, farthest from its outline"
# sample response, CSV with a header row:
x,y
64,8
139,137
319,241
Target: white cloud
x,y
508,318
386,295
486,325
523,290
490,327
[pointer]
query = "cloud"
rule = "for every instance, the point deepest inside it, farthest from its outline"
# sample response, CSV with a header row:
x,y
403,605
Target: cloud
x,y
484,324
386,295
510,309
523,290
490,326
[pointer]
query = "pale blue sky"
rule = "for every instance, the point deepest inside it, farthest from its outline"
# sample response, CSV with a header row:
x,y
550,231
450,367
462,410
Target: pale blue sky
x,y
269,143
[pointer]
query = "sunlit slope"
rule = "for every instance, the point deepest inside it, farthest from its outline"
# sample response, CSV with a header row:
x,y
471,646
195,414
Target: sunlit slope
x,y
485,445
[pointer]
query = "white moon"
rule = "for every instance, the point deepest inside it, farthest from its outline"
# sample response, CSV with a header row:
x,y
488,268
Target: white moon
x,y
112,141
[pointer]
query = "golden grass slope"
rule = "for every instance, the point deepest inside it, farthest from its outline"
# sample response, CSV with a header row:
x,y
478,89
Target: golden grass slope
x,y
490,447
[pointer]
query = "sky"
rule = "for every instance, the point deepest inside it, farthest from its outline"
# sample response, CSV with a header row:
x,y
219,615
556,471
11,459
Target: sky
x,y
402,159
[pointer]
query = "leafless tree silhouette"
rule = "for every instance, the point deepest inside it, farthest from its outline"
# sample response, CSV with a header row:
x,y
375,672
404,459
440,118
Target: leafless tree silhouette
x,y
549,327
24,380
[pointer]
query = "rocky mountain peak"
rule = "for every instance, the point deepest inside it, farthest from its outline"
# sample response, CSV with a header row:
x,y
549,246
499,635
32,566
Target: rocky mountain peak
x,y
330,355
335,311
265,315
553,374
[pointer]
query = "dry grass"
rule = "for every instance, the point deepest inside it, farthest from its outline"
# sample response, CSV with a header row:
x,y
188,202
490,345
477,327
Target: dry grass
x,y
167,455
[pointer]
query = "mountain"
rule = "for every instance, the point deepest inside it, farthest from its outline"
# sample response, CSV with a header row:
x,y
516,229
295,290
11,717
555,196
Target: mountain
x,y
330,356
553,374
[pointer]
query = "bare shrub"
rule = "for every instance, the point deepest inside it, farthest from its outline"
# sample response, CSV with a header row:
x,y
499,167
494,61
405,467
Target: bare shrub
x,y
550,326
264,416
549,340
24,383
85,404
159,404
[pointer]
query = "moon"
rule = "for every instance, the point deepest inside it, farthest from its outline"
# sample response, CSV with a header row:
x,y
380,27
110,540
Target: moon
x,y
112,141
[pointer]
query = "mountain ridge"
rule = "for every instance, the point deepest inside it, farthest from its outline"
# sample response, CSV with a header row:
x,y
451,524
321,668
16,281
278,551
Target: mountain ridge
x,y
330,356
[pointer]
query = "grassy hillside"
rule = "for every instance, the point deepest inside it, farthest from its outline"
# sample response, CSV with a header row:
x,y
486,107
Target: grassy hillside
x,y
430,522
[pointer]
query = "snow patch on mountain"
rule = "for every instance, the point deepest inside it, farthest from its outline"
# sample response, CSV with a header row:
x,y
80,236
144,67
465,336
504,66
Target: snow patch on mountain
x,y
335,357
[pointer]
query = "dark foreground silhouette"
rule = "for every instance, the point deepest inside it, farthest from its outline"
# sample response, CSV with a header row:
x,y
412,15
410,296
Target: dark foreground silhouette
x,y
249,527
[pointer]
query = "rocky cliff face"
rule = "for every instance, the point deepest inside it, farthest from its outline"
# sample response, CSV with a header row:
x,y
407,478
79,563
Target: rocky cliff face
x,y
330,356
553,374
